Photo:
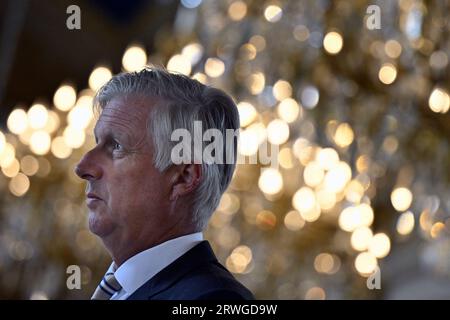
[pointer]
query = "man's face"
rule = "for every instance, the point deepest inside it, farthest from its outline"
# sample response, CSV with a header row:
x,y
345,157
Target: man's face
x,y
127,197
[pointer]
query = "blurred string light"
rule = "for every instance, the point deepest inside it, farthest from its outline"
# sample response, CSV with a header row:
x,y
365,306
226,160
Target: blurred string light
x,y
237,10
134,58
65,97
301,33
393,48
401,198
286,158
305,202
247,113
361,238
73,137
256,83
315,293
40,142
438,60
327,263
289,110
99,76
439,100
366,263
239,259
248,51
179,63
270,181
259,42
273,13
353,217
19,185
7,154
214,67
193,52
2,142
387,73
333,42
405,223
344,135
250,138
282,90
321,184
294,221
191,4
37,116
29,165
379,245
53,122
310,97
60,149
277,131
12,170
17,121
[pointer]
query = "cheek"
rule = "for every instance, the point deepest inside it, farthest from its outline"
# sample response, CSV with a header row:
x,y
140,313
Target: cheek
x,y
137,189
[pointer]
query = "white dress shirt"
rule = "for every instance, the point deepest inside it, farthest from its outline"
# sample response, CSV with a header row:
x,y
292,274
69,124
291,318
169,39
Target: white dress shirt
x,y
140,268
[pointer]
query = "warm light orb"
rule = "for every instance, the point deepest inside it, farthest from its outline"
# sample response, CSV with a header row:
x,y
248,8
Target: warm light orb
x,y
380,245
19,185
387,73
237,10
366,263
40,142
405,223
193,52
282,90
179,63
333,42
344,135
99,77
288,110
277,132
313,174
270,181
134,58
273,13
247,113
60,149
65,97
361,238
401,199
37,116
439,101
214,67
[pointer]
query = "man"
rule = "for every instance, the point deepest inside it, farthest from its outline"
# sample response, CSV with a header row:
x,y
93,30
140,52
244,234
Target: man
x,y
148,211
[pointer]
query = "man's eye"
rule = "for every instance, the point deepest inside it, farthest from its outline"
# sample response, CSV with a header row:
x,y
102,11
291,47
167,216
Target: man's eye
x,y
117,146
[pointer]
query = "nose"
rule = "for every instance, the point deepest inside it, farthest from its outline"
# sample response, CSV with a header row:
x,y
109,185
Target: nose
x,y
88,169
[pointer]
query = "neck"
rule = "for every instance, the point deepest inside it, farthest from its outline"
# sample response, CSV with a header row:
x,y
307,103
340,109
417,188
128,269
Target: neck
x,y
120,254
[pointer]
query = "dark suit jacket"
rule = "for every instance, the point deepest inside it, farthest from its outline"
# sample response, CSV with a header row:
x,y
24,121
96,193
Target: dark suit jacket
x,y
196,275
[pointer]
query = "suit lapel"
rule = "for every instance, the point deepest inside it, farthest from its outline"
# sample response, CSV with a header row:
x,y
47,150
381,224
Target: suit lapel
x,y
198,255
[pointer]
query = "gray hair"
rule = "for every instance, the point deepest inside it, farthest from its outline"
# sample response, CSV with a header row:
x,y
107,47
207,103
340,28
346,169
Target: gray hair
x,y
186,100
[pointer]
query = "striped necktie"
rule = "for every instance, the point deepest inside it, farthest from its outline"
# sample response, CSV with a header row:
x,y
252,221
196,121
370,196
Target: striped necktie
x,y
108,286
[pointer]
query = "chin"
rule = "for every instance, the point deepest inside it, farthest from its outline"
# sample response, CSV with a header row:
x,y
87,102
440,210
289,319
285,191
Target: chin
x,y
99,225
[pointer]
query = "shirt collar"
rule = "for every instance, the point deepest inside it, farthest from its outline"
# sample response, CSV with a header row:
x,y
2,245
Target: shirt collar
x,y
140,268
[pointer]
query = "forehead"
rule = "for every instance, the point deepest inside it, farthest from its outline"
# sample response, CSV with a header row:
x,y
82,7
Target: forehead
x,y
128,114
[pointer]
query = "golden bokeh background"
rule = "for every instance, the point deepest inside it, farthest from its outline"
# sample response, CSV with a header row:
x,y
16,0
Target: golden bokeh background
x,y
359,116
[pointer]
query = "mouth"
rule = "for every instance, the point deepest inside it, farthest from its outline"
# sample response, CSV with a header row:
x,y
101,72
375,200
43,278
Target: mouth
x,y
92,195
92,199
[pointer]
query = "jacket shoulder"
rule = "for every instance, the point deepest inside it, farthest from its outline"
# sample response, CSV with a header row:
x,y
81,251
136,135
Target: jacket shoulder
x,y
211,281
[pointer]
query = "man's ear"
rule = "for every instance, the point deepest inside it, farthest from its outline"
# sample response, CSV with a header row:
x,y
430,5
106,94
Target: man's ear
x,y
186,178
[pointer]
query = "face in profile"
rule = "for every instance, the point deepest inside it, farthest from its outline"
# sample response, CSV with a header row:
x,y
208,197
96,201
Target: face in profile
x,y
127,197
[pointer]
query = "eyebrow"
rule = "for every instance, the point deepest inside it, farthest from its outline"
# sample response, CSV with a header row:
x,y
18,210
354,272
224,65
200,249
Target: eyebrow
x,y
111,134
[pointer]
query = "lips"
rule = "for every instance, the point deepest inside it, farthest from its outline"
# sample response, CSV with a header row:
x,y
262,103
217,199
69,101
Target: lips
x,y
93,196
92,200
